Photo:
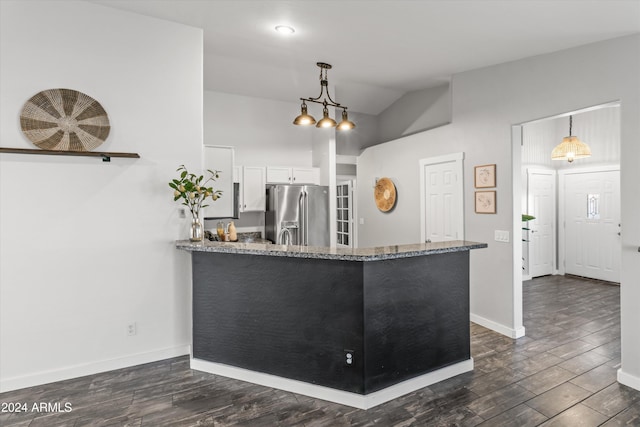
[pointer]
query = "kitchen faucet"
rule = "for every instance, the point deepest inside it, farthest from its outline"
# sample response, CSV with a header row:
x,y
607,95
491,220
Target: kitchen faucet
x,y
284,237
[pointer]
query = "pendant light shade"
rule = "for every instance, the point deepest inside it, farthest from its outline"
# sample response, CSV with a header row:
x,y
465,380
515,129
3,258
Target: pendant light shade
x,y
304,119
326,122
570,148
345,124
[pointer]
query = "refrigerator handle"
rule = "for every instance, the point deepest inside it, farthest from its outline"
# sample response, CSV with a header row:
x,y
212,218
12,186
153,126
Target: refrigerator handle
x,y
301,229
306,218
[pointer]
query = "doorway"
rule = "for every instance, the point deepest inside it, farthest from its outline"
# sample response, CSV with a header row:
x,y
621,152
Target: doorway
x,y
563,238
441,198
540,240
598,126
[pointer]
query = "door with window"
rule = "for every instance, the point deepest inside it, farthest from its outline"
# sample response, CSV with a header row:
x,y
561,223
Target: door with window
x,y
592,224
344,214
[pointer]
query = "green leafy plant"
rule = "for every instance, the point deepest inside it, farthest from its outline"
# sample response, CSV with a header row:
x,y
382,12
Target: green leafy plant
x,y
193,190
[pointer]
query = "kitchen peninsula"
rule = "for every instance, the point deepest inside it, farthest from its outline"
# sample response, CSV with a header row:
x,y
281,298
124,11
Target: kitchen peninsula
x,y
353,326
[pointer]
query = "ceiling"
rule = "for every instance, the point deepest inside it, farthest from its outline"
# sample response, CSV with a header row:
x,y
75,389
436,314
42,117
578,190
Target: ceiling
x,y
379,49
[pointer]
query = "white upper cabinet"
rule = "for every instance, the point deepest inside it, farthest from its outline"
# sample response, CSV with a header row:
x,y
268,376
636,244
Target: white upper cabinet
x,y
278,175
219,159
253,189
292,175
306,176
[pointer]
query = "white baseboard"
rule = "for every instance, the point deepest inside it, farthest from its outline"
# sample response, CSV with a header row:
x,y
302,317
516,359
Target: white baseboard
x,y
69,372
332,395
498,327
628,380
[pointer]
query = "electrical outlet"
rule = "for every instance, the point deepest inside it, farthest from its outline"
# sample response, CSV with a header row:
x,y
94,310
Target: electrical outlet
x,y
132,329
348,357
182,213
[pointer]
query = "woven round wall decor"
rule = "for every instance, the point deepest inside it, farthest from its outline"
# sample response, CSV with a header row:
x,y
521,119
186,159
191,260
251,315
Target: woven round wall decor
x,y
64,120
385,194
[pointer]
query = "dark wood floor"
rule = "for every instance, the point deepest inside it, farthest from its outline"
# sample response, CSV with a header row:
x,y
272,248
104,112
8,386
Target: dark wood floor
x,y
563,373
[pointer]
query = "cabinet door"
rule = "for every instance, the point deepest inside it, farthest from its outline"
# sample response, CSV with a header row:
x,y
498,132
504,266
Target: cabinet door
x,y
219,159
278,175
253,189
306,176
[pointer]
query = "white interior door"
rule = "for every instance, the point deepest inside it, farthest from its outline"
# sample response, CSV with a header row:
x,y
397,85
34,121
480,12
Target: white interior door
x,y
442,198
344,214
592,224
541,235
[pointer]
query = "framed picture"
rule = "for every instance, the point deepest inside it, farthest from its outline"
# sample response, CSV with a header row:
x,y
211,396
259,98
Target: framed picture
x,y
485,202
485,176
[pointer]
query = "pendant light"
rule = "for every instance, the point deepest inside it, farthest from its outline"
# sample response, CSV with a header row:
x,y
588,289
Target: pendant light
x,y
570,148
305,119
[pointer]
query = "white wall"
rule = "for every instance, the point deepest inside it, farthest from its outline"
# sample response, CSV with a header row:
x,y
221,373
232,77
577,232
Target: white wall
x,y
365,134
258,130
486,103
87,247
599,128
415,112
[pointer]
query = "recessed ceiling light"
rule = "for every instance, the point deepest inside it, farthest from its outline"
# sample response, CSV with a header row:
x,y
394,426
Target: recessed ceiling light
x,y
285,29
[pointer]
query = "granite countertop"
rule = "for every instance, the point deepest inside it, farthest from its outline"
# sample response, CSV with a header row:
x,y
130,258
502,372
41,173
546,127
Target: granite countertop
x,y
345,254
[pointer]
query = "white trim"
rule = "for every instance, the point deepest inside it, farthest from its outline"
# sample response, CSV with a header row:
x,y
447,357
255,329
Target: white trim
x,y
609,104
332,395
498,327
346,160
516,230
562,173
80,370
628,379
458,158
589,169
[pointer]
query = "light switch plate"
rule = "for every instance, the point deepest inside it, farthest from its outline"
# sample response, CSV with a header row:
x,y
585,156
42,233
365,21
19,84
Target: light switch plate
x,y
501,236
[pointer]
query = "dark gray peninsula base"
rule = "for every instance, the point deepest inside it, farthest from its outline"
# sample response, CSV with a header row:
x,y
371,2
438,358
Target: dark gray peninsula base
x,y
355,326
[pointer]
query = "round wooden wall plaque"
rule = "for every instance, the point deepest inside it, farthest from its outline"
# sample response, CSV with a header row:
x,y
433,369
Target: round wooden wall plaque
x,y
385,194
64,120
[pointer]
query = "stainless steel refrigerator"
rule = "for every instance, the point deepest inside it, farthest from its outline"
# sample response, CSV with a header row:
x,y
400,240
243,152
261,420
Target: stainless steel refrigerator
x,y
297,215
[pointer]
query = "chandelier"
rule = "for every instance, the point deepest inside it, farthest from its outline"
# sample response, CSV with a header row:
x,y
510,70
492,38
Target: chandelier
x,y
305,119
570,148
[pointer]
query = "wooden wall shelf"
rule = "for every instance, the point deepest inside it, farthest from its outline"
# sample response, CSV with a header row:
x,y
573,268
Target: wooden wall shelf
x,y
106,156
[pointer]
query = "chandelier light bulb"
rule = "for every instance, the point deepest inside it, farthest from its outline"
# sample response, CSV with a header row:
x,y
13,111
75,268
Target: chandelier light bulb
x,y
285,29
